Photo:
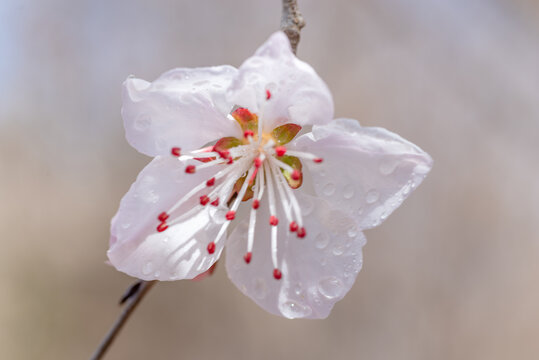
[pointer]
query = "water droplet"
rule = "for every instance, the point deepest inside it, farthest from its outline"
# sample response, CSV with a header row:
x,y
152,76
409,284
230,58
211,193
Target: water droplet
x,y
321,240
387,167
421,169
372,197
259,288
338,250
352,232
383,215
322,172
329,189
160,144
294,310
348,191
165,239
331,287
143,123
147,268
126,225
307,207
156,274
298,288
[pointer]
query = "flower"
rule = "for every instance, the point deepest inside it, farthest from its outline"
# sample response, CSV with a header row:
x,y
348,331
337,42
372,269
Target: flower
x,y
235,164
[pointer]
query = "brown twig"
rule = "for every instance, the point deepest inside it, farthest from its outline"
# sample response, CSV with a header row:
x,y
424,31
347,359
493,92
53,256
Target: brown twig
x,y
292,22
135,296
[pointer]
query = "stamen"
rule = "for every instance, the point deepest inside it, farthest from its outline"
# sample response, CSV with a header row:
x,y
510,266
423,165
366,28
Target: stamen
x,y
271,197
282,165
162,227
176,151
163,216
293,226
268,95
247,257
293,201
296,174
215,202
204,199
282,195
256,204
248,133
280,151
210,182
211,248
318,160
274,221
230,215
301,233
190,169
277,274
305,155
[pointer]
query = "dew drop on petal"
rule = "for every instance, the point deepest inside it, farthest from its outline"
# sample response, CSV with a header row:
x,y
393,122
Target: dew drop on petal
x,y
307,207
331,287
352,232
321,240
126,225
143,123
156,274
292,310
165,239
329,189
372,196
147,268
387,167
298,288
338,250
259,288
348,191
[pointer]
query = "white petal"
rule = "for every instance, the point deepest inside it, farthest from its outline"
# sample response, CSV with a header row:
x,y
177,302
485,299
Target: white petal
x,y
366,172
317,270
298,94
183,108
180,252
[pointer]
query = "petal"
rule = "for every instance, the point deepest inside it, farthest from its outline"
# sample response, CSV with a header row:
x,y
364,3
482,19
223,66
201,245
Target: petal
x,y
183,107
297,94
179,252
317,270
366,172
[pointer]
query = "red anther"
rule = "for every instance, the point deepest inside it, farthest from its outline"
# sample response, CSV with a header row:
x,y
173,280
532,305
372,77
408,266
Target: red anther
x,y
211,248
296,174
280,150
230,161
268,95
258,162
224,154
204,199
190,169
256,204
293,226
248,133
318,160
210,182
273,220
277,274
301,233
215,202
163,216
247,257
230,215
176,151
162,227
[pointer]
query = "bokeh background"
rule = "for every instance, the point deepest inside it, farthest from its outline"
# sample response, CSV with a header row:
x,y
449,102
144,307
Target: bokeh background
x,y
453,274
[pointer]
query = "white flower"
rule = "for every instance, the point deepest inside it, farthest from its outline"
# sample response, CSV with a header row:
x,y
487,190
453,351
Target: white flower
x,y
221,135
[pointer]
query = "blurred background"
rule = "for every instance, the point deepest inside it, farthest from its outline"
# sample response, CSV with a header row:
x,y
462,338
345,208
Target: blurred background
x,y
453,274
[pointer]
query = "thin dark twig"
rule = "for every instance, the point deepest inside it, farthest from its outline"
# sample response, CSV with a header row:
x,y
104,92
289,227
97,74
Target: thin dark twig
x,y
292,22
132,302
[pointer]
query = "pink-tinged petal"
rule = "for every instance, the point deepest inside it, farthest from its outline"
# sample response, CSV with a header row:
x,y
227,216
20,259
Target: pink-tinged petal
x,y
317,271
183,108
279,87
179,252
366,172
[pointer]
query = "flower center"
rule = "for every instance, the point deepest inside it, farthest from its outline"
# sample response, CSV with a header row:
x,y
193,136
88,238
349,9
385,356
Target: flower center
x,y
249,166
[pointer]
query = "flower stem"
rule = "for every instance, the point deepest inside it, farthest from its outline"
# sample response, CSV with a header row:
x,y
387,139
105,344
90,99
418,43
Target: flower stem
x,y
133,299
292,22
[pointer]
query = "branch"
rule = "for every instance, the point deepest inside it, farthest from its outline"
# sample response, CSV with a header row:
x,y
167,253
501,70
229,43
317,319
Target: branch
x,y
133,296
292,22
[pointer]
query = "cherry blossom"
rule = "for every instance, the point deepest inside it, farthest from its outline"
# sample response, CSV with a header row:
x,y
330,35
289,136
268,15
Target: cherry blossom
x,y
251,158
